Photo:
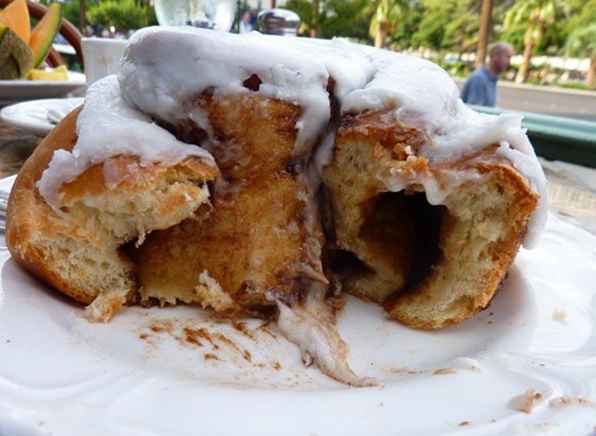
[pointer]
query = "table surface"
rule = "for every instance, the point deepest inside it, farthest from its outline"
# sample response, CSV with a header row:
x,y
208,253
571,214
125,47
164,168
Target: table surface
x,y
571,188
15,147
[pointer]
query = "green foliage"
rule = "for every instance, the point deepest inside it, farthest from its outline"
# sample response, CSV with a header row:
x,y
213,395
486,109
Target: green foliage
x,y
442,25
533,21
448,24
582,41
456,68
461,32
122,14
408,25
582,13
342,18
431,30
385,14
70,9
573,85
580,29
304,9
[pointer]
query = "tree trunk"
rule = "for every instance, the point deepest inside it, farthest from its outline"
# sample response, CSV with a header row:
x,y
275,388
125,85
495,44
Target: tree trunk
x,y
273,4
314,31
524,69
484,33
591,78
380,36
82,14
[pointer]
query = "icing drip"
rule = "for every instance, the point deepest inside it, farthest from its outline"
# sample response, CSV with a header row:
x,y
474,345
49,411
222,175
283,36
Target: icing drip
x,y
312,327
107,127
424,96
160,81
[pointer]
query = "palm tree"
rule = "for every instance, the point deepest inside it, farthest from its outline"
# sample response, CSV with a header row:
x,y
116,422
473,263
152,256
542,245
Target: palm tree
x,y
314,31
484,34
463,26
580,42
534,15
82,13
384,17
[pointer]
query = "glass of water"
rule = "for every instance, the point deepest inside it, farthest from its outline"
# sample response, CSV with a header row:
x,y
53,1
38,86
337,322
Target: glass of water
x,y
210,14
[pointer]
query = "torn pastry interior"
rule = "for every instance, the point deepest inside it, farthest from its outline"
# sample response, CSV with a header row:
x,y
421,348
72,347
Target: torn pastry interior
x,y
311,325
200,175
107,176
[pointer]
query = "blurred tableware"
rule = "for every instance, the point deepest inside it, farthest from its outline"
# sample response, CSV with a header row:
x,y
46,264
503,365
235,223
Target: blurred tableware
x,y
102,57
3,209
38,116
210,14
12,91
278,22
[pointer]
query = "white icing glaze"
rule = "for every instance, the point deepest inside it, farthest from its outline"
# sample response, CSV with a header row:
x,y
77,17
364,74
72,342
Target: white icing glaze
x,y
164,68
313,328
424,96
435,192
107,127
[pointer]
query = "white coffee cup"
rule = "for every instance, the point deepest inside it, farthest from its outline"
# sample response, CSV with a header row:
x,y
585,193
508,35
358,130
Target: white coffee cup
x,y
101,56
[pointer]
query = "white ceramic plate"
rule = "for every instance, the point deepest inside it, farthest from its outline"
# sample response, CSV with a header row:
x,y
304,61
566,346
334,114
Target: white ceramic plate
x,y
62,375
19,90
39,116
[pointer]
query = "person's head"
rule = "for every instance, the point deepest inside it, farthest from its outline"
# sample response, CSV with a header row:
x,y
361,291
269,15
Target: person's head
x,y
499,55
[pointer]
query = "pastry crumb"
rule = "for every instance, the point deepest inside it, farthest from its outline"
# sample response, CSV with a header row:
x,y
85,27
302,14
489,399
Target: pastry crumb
x,y
565,401
243,328
202,333
527,401
211,293
105,306
162,325
560,315
192,336
444,371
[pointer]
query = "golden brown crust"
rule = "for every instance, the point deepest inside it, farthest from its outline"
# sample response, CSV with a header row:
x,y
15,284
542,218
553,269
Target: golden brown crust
x,y
245,245
255,241
26,207
125,169
370,148
367,146
502,252
44,240
384,129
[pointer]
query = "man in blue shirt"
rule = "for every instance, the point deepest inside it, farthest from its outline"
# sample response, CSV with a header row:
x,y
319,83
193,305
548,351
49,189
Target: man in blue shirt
x,y
481,87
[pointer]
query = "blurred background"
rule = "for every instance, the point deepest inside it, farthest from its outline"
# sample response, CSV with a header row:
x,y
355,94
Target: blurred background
x,y
555,40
